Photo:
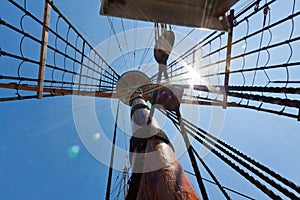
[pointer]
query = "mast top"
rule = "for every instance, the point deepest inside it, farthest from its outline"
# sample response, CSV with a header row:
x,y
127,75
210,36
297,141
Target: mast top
x,y
128,83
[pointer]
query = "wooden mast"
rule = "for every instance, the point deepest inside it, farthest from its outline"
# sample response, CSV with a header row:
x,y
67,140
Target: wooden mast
x,y
157,173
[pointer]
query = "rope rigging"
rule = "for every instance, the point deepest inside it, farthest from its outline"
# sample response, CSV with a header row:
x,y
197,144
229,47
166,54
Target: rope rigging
x,y
167,99
212,61
256,172
74,67
110,21
231,190
164,97
254,181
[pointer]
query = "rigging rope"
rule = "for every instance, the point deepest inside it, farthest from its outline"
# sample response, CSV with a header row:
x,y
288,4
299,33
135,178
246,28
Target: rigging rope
x,y
214,142
211,174
243,67
191,156
231,190
250,178
110,21
74,61
112,154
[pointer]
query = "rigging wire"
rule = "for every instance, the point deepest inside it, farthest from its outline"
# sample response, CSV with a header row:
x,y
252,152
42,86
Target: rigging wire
x,y
119,191
126,159
244,59
181,128
245,6
126,42
258,54
116,185
211,174
188,34
291,51
147,49
108,188
258,184
135,38
110,21
64,12
196,131
121,188
226,188
108,45
111,31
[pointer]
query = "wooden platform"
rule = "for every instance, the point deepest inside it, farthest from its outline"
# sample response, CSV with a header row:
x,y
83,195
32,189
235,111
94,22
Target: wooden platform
x,y
192,13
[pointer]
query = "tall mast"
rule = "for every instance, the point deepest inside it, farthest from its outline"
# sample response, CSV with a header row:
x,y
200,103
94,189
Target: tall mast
x,y
156,172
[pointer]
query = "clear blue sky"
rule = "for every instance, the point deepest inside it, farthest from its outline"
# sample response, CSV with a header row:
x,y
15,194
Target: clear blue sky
x,y
42,156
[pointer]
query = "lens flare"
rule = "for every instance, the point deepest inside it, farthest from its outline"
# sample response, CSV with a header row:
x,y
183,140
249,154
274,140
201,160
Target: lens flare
x,y
73,151
96,137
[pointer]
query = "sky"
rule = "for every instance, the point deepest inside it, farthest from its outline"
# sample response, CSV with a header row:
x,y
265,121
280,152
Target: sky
x,y
43,156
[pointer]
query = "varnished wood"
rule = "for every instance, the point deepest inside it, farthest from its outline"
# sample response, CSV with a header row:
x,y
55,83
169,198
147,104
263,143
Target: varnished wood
x,y
169,181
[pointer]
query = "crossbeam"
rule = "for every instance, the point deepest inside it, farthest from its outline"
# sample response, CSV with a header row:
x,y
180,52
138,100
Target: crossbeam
x,y
55,91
